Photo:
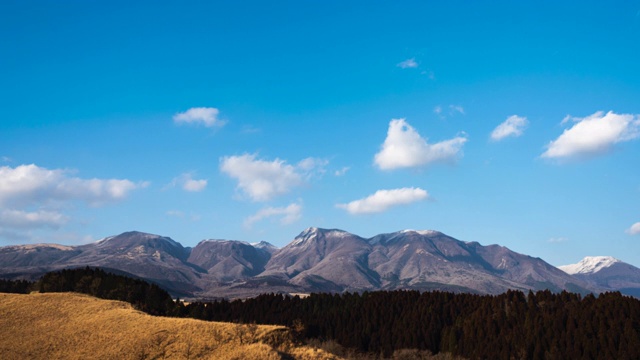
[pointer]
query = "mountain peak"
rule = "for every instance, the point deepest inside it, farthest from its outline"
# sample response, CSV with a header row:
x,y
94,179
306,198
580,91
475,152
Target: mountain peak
x,y
305,236
263,245
132,237
420,232
590,264
394,236
224,241
311,233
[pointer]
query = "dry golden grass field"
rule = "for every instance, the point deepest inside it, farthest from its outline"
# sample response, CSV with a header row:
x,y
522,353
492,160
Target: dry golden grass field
x,y
75,326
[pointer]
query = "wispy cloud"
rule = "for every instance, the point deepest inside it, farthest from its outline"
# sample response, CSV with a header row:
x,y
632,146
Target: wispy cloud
x,y
207,116
514,126
429,74
456,109
18,219
342,171
263,180
312,166
555,240
181,215
175,213
404,147
593,135
453,110
287,215
30,184
634,229
382,200
250,129
408,64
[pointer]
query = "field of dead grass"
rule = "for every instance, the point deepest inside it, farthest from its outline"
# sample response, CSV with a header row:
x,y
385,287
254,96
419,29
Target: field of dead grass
x,y
75,326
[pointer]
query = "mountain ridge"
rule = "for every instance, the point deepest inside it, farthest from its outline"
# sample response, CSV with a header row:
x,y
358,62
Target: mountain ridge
x,y
317,260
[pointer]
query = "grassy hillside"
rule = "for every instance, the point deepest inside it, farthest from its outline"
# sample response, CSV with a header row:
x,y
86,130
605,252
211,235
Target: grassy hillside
x,y
74,326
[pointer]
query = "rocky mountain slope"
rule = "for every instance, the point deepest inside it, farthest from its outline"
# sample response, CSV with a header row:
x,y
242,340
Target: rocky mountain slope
x,y
227,260
607,273
316,260
152,257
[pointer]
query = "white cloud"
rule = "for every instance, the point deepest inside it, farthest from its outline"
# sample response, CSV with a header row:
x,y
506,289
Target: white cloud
x,y
385,199
194,185
407,64
342,171
17,219
404,147
429,74
558,240
593,135
288,214
175,213
453,109
187,183
513,126
262,180
634,229
250,129
30,184
207,116
311,164
181,215
30,197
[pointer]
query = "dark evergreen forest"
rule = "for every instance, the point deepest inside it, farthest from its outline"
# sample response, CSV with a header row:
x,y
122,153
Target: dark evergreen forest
x,y
511,325
144,296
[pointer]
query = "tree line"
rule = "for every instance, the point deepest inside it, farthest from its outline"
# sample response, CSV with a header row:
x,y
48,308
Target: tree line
x,y
144,296
511,325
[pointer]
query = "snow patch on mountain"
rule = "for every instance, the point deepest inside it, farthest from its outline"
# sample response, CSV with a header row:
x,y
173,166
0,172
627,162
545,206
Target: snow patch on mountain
x,y
313,232
421,232
104,240
222,241
263,245
589,265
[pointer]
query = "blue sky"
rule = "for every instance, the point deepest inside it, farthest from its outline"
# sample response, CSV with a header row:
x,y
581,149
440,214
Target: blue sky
x,y
514,123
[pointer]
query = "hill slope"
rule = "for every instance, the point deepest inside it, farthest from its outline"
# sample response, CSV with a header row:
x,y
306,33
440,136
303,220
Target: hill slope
x,y
73,326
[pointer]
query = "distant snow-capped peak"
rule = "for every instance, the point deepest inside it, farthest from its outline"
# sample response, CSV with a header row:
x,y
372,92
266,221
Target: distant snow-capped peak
x,y
420,232
387,238
589,265
313,232
307,234
263,245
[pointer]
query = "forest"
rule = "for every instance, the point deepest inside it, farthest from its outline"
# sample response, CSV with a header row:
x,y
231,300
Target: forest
x,y
510,325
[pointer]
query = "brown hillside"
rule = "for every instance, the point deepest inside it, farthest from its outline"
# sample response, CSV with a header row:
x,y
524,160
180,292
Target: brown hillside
x,y
74,326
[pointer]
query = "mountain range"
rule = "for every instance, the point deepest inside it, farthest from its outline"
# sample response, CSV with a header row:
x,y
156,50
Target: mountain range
x,y
319,260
